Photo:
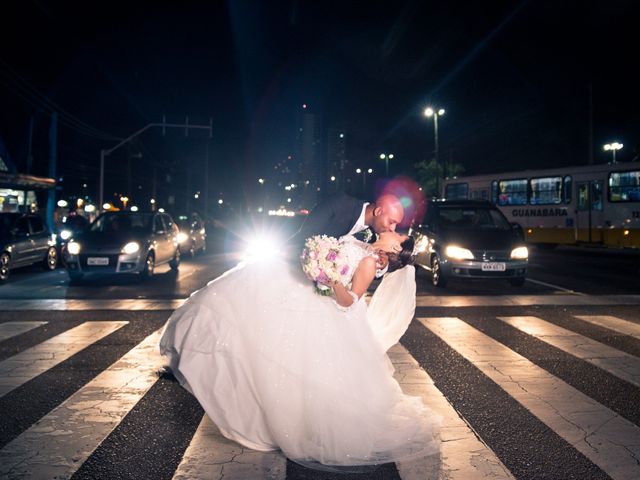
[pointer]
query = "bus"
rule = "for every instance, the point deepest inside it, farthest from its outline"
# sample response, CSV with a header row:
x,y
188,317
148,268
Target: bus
x,y
589,204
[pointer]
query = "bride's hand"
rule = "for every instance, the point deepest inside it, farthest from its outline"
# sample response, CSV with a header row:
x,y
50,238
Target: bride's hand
x,y
388,242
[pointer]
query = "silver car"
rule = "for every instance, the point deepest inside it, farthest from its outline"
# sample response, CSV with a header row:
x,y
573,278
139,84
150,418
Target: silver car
x,y
124,242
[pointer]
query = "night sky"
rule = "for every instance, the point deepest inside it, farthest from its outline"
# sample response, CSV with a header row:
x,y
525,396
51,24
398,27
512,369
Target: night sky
x,y
514,78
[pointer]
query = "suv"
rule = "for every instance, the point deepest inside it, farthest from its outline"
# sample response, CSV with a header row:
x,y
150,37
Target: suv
x,y
25,240
470,239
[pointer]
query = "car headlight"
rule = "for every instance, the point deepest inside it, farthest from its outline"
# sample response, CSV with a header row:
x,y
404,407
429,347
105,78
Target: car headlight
x,y
65,234
520,253
131,247
73,248
458,253
182,237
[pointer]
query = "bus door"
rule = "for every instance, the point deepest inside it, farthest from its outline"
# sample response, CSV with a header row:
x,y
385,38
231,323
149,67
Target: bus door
x,y
589,216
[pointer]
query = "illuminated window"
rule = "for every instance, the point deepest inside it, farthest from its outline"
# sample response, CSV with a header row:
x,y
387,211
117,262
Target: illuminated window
x,y
546,191
512,192
624,186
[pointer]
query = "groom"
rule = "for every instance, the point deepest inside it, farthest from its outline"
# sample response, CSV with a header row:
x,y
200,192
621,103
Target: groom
x,y
342,214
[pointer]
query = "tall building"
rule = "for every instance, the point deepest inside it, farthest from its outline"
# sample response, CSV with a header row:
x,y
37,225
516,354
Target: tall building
x,y
311,165
338,166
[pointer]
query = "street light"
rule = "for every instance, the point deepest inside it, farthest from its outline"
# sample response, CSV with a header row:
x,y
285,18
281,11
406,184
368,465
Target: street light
x,y
613,147
431,112
386,158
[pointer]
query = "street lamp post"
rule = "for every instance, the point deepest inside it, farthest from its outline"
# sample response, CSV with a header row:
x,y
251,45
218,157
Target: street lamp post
x,y
431,112
615,146
386,158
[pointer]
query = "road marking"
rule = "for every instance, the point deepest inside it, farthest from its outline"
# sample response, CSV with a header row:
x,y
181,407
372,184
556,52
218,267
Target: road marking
x,y
620,364
556,287
11,329
28,364
61,441
463,455
212,456
601,435
102,304
523,300
613,323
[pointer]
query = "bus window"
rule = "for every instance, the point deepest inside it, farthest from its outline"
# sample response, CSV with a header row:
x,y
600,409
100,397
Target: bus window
x,y
624,186
484,194
566,191
583,196
512,192
456,191
546,191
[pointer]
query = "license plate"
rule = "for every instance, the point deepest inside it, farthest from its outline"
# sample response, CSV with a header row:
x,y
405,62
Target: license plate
x,y
98,261
494,267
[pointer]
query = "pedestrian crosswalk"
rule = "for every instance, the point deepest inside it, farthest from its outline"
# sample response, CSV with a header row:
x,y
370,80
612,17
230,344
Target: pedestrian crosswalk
x,y
521,396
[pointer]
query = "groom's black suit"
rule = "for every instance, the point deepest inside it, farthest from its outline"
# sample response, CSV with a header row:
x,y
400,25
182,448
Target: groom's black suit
x,y
334,217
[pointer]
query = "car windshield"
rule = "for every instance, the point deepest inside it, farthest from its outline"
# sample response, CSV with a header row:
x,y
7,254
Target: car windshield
x,y
119,222
472,217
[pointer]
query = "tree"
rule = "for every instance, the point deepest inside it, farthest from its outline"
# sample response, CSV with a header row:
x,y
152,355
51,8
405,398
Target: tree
x,y
430,175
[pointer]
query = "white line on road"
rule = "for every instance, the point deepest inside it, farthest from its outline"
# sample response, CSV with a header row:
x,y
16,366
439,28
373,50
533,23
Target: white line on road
x,y
551,285
11,329
28,364
613,323
61,441
604,437
463,455
620,364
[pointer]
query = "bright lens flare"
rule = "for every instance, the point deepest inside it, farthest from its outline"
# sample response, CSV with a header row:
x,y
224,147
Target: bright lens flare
x,y
65,234
262,248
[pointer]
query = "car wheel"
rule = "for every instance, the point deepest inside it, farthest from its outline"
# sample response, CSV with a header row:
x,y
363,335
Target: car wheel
x,y
149,266
517,282
175,263
50,261
437,278
5,260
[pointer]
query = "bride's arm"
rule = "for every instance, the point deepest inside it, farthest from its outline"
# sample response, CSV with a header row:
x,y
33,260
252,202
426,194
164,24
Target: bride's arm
x,y
362,278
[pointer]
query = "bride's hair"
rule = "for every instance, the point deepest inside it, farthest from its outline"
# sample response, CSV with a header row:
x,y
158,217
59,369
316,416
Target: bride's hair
x,y
404,257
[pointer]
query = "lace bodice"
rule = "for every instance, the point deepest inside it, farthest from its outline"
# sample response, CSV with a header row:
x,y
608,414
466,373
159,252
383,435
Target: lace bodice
x,y
354,251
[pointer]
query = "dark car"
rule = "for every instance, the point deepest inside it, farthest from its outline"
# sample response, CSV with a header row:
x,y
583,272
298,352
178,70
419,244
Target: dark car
x,y
124,242
193,234
25,240
71,226
470,239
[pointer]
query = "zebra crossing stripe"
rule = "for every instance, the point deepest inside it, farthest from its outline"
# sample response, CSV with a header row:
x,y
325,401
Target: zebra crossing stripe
x,y
22,367
613,323
212,456
605,438
61,441
463,455
11,329
609,359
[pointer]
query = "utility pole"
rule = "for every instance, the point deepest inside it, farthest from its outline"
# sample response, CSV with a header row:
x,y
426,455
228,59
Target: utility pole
x,y
104,152
53,147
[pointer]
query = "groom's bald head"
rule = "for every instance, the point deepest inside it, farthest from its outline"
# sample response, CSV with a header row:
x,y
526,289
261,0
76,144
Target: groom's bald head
x,y
385,214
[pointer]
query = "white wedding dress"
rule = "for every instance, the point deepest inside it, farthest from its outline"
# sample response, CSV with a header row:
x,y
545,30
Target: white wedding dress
x,y
277,366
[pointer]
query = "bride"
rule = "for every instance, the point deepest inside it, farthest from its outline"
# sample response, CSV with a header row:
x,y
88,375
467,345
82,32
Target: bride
x,y
277,366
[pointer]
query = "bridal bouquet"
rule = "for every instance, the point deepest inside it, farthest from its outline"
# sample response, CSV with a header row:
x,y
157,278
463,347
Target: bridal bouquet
x,y
323,263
